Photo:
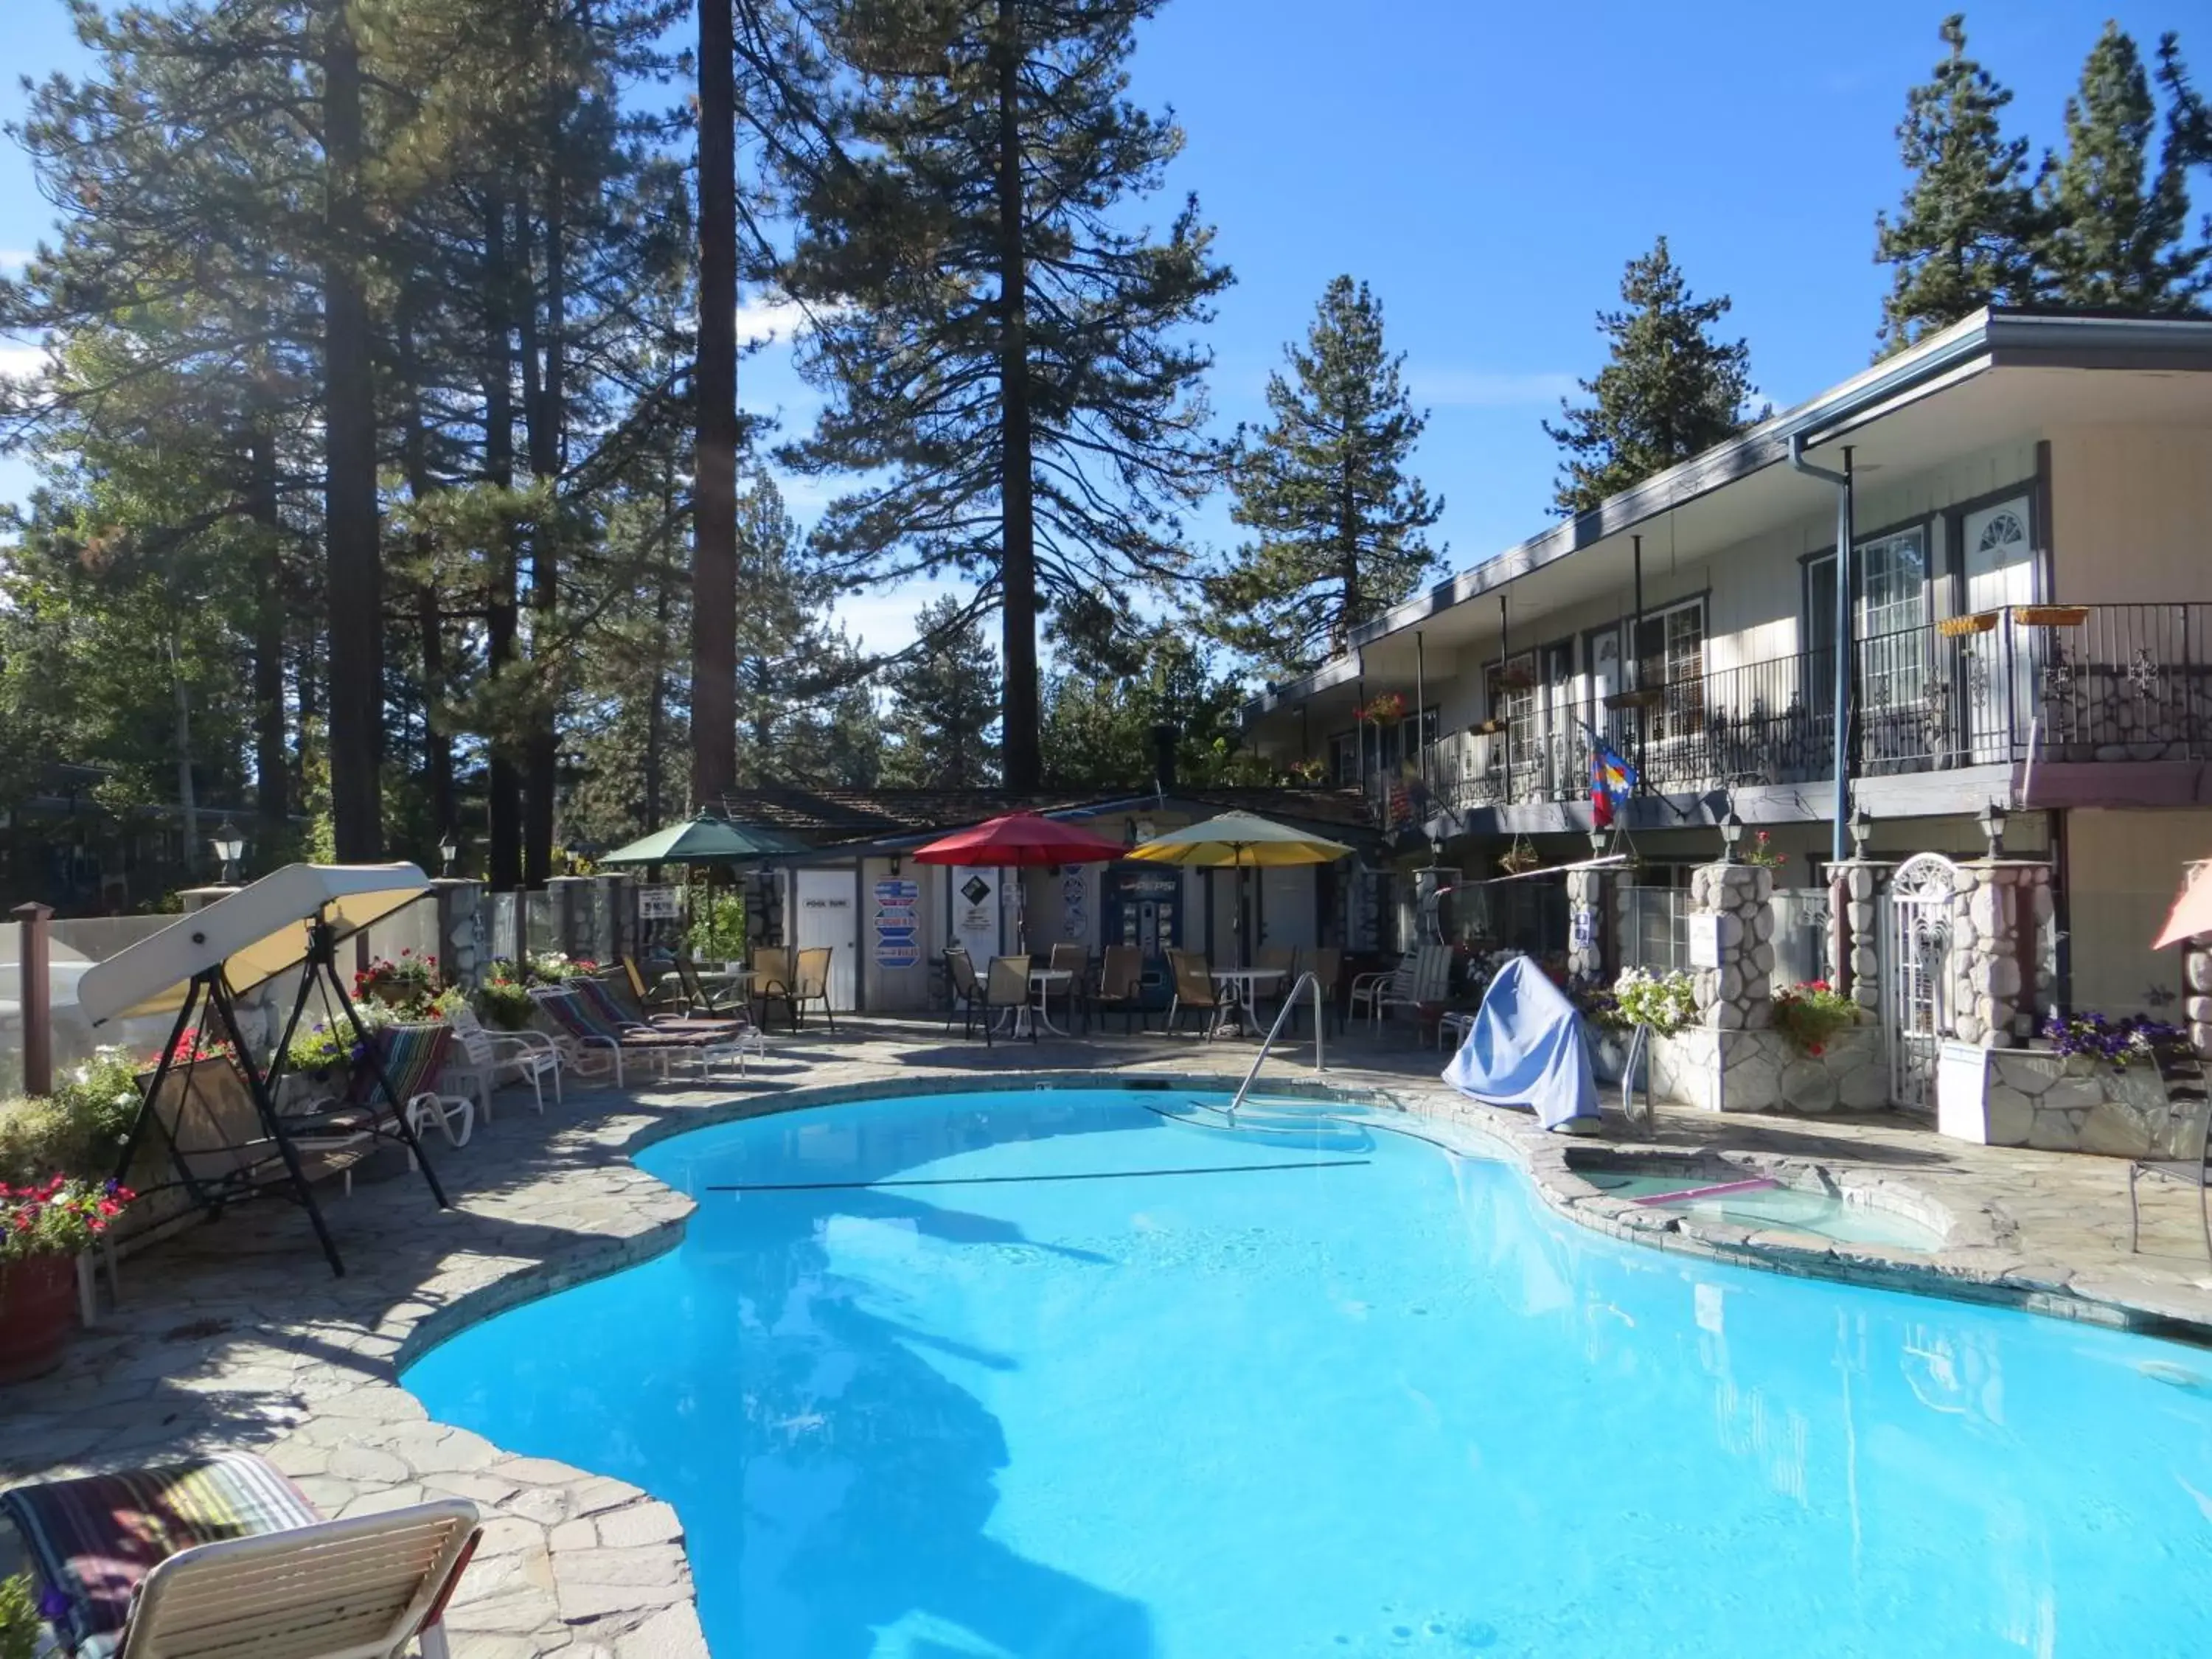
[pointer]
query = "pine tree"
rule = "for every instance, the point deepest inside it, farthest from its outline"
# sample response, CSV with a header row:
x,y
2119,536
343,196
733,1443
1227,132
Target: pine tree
x,y
994,340
2116,231
944,705
1965,234
1670,392
1338,520
1099,725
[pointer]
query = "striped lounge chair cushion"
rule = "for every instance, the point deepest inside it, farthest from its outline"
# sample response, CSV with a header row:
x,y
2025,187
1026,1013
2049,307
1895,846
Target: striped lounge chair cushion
x,y
91,1540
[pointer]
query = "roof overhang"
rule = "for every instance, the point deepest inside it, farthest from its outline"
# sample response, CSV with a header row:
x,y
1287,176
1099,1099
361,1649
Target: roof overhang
x,y
1989,340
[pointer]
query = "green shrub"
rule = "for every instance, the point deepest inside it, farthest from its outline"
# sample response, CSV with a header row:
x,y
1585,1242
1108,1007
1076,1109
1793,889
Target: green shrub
x,y
77,1130
19,1617
718,929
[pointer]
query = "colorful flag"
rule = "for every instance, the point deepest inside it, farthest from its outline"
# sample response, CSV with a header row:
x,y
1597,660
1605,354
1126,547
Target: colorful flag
x,y
1611,779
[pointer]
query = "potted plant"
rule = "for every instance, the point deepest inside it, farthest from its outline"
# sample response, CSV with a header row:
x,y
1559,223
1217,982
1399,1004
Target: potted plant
x,y
1810,1014
1384,708
406,983
503,1003
43,1230
1666,1003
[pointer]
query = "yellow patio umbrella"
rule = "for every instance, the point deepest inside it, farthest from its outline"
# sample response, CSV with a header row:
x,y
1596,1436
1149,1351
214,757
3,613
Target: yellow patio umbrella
x,y
1239,841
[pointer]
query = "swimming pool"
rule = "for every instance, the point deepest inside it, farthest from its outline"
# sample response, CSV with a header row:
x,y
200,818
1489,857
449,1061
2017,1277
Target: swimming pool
x,y
1082,1374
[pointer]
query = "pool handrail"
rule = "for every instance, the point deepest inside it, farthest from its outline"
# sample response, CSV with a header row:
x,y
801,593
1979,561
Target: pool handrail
x,y
1267,1042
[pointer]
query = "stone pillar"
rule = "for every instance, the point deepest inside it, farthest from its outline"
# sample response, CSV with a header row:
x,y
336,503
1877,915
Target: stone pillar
x,y
2197,992
571,935
1738,996
1589,918
1855,946
2000,975
463,949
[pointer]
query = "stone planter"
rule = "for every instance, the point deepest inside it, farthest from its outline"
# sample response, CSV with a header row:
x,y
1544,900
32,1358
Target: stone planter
x,y
1761,1071
2033,1098
38,1310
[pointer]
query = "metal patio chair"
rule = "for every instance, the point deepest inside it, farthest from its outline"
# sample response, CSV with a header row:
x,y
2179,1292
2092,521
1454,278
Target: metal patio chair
x,y
2184,1172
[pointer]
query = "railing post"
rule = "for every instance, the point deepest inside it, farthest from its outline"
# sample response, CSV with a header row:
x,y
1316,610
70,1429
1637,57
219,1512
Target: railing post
x,y
35,997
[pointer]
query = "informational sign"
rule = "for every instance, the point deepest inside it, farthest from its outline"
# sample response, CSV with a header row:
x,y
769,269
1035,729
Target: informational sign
x,y
1585,927
1075,905
659,903
975,894
1704,941
898,924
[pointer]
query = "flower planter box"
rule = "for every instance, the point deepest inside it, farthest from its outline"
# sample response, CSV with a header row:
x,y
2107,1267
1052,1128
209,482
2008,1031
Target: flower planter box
x,y
1952,628
2051,616
1647,697
38,1311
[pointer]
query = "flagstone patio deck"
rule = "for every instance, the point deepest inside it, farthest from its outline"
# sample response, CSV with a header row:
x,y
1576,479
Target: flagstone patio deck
x,y
234,1335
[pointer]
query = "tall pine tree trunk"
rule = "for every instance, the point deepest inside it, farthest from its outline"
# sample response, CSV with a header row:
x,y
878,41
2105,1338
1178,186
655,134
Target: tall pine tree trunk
x,y
714,390
429,619
504,804
1017,559
350,532
271,766
543,398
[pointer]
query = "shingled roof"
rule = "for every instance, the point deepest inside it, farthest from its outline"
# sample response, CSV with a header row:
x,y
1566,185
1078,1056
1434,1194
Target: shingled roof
x,y
832,815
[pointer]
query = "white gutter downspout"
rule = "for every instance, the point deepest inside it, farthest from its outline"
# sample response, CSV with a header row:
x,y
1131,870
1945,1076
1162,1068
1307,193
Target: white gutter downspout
x,y
1839,841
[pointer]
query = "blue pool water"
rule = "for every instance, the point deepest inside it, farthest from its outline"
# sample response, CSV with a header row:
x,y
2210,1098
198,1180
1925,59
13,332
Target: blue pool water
x,y
1349,1394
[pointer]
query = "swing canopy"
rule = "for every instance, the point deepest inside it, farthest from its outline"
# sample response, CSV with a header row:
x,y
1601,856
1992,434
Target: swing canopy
x,y
254,934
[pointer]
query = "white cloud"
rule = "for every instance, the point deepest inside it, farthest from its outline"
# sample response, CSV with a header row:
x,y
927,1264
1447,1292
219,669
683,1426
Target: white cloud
x,y
19,362
1483,388
770,317
13,258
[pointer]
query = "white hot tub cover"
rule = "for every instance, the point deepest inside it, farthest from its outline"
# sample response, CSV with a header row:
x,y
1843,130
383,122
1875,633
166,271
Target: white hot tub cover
x,y
257,932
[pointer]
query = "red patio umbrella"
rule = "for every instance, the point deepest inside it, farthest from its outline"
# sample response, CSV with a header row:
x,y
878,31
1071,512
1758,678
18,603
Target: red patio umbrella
x,y
1021,838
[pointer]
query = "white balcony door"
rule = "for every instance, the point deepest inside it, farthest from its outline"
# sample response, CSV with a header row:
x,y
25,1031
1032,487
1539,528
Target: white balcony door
x,y
2000,564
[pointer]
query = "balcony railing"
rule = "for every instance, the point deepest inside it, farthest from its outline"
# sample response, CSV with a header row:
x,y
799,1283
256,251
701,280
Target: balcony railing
x,y
2095,683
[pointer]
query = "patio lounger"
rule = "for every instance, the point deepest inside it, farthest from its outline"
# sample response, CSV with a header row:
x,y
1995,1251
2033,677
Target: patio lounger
x,y
413,1056
222,1557
599,997
568,1009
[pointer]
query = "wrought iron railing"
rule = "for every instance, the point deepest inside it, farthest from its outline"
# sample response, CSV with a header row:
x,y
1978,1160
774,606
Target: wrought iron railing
x,y
2094,682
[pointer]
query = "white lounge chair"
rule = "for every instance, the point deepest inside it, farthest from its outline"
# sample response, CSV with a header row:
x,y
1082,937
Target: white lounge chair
x,y
1367,989
495,1057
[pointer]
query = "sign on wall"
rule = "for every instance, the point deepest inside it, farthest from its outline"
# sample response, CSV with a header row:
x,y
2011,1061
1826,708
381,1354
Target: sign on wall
x,y
1705,940
898,924
659,903
974,906
1074,904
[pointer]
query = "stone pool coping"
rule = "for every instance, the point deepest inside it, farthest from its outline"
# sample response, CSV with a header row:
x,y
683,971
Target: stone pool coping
x,y
231,1335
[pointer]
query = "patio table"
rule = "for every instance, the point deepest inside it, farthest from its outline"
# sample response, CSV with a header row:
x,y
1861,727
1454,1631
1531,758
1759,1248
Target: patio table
x,y
1042,980
1246,982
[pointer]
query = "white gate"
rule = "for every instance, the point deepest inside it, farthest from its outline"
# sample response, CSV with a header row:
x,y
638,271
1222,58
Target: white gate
x,y
1915,951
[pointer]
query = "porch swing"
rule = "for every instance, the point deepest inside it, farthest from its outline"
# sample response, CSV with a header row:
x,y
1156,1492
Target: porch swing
x,y
199,967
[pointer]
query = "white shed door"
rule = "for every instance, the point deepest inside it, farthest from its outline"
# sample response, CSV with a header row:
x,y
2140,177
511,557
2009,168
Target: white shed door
x,y
828,915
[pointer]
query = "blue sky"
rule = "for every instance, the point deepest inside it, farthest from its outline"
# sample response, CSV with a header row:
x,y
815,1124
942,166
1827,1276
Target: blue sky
x,y
1487,169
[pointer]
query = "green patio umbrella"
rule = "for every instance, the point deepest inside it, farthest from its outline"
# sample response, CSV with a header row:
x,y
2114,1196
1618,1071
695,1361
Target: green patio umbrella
x,y
706,840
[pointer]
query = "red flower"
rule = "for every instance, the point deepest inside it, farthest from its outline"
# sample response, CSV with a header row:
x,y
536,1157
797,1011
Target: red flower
x,y
1813,1049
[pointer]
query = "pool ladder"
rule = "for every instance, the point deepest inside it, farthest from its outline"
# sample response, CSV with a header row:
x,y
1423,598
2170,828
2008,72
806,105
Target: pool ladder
x,y
1289,1003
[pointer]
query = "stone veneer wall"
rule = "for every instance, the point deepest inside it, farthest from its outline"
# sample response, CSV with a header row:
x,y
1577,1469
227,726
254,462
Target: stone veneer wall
x,y
1717,1070
2197,1005
1858,976
2000,910
1739,994
2071,1104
